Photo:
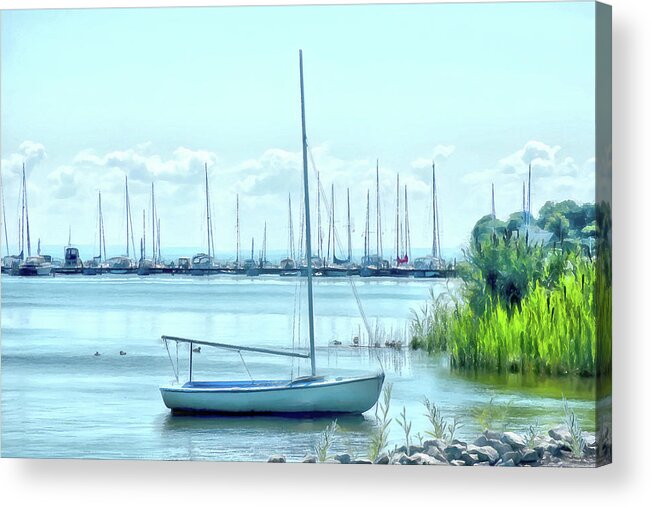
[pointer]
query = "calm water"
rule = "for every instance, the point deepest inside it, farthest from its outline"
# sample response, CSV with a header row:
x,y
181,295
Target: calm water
x,y
59,400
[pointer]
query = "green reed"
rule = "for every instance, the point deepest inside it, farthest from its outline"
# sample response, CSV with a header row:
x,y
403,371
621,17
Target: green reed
x,y
550,328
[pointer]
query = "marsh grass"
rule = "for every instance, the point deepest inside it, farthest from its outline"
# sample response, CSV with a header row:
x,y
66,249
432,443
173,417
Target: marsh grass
x,y
326,438
380,436
441,428
405,424
577,442
499,323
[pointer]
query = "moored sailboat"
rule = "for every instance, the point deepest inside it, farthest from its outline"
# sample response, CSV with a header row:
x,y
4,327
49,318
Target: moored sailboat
x,y
312,395
432,266
202,263
96,264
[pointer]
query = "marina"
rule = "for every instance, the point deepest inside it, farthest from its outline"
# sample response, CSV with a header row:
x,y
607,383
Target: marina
x,y
51,375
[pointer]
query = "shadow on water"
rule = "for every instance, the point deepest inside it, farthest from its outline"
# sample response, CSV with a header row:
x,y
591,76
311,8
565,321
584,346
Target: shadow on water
x,y
299,424
570,386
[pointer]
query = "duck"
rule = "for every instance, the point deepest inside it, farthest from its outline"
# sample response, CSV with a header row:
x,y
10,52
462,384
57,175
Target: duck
x,y
123,353
356,341
96,354
197,350
336,342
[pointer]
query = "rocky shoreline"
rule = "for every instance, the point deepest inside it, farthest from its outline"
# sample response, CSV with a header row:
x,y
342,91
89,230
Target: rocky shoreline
x,y
491,448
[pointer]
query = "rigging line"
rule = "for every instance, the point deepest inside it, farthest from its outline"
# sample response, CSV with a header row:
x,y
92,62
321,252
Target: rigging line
x,y
350,279
244,363
176,375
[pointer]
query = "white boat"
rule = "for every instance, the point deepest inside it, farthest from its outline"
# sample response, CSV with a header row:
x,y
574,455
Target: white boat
x,y
310,395
37,265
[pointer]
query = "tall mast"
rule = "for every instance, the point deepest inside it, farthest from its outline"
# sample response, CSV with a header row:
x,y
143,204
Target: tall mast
x,y
367,231
129,218
331,235
398,218
493,200
378,240
318,217
144,237
290,250
4,217
350,258
100,226
126,205
153,223
407,235
308,233
264,243
158,259
26,212
208,225
252,247
237,230
529,198
436,244
69,234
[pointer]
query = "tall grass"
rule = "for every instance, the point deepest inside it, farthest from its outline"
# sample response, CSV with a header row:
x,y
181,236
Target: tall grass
x,y
547,325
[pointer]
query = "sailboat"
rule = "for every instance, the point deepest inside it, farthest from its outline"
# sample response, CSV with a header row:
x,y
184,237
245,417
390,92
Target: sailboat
x,y
10,263
401,267
337,267
96,264
33,265
151,265
288,264
431,266
309,395
124,264
202,263
375,265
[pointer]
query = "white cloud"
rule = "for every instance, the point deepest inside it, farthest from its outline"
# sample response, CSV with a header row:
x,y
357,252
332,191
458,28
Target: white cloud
x,y
554,177
29,153
439,153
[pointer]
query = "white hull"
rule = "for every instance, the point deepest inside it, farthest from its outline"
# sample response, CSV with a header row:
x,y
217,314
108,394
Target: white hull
x,y
351,395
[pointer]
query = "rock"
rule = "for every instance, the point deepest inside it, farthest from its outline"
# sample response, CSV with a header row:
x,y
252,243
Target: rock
x,y
545,447
424,459
412,449
454,451
485,453
514,440
508,463
407,460
344,458
561,434
435,452
481,441
310,458
458,442
277,458
457,463
331,461
513,456
382,459
440,444
362,461
493,435
589,438
469,458
396,457
499,446
528,455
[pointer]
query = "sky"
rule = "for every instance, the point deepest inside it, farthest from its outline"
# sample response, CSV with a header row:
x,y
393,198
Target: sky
x,y
89,96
